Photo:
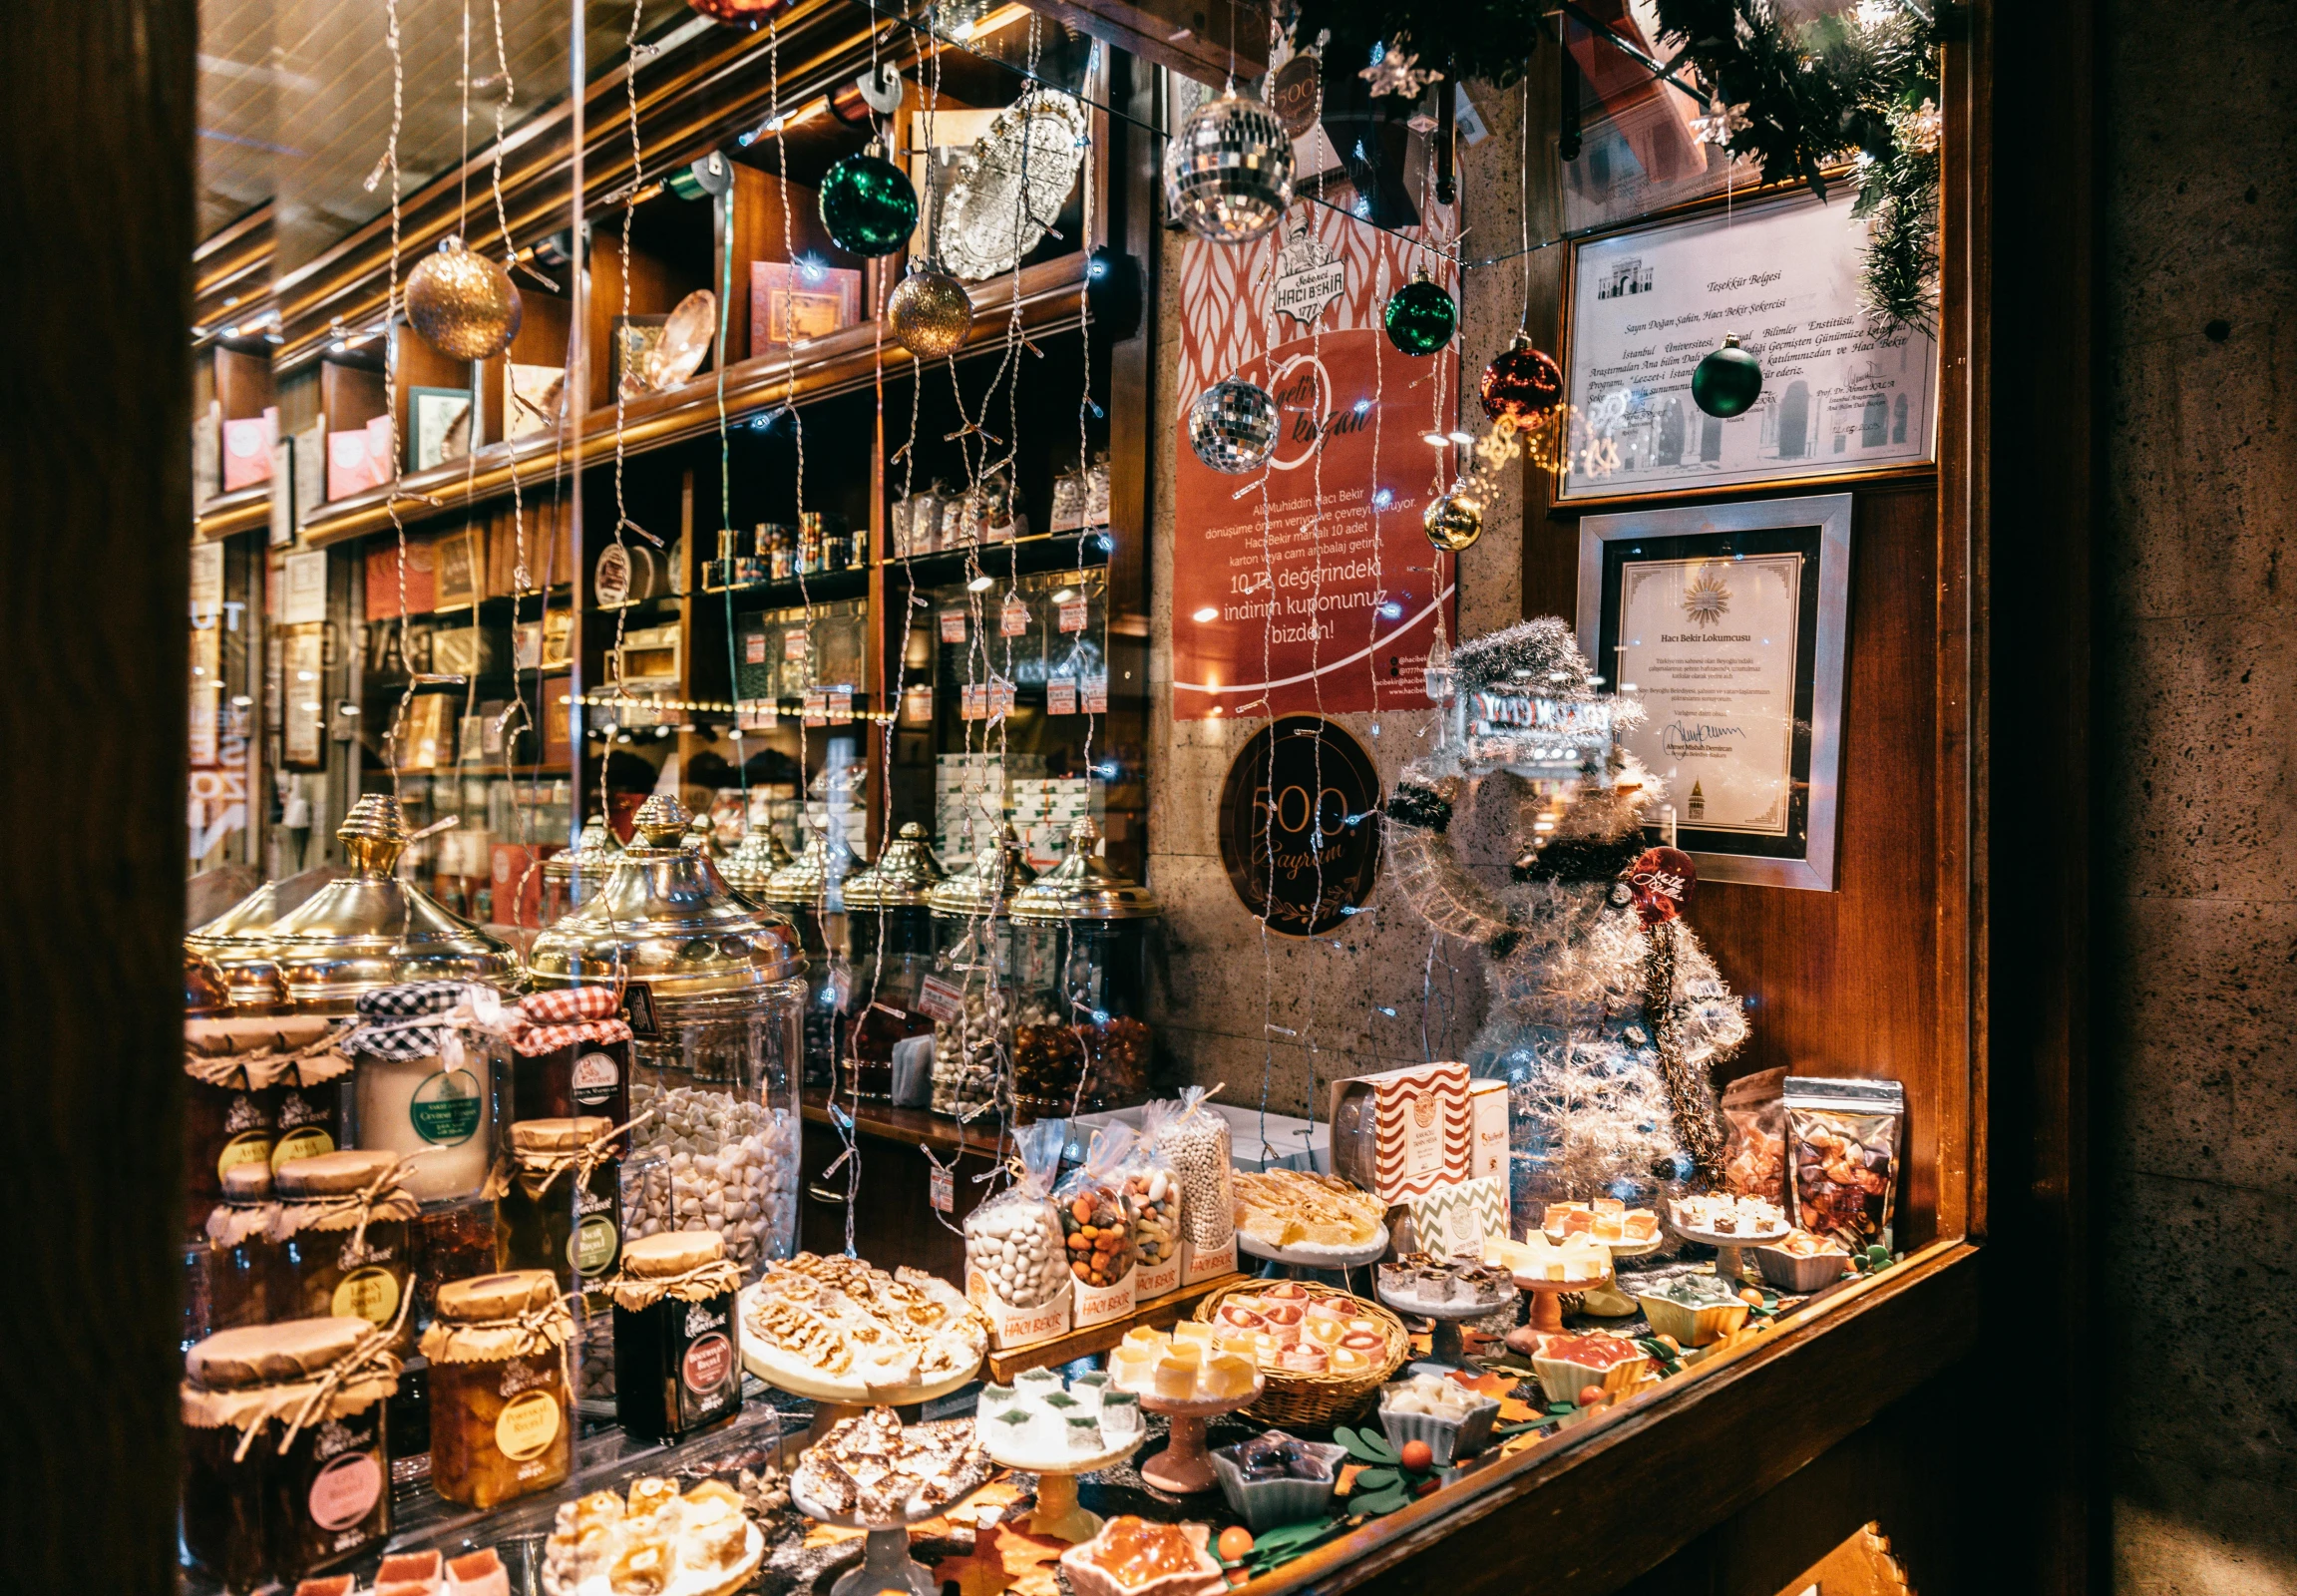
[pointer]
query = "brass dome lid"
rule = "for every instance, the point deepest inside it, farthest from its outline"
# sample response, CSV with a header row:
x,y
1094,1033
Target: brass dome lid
x,y
703,837
987,886
754,860
904,876
805,881
369,929
585,867
237,942
1082,887
666,917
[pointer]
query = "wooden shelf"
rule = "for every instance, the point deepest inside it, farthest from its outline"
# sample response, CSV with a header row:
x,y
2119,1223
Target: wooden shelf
x,y
1052,293
229,514
1162,1313
914,1126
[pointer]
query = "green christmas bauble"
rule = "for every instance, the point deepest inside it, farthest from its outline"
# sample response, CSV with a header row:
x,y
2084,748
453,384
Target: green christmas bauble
x,y
1420,316
868,205
1452,522
1727,382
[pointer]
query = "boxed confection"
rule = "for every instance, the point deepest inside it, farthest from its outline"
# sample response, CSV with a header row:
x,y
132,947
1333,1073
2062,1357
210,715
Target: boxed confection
x,y
1403,1132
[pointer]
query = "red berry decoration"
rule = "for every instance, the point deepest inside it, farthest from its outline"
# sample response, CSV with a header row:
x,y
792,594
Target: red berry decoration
x,y
1429,1488
1589,1395
1417,1455
1520,383
1235,1542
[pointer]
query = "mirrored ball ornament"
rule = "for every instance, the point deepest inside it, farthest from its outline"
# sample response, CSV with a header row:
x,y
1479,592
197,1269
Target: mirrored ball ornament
x,y
868,205
930,313
1521,382
1727,382
1228,171
1420,316
1452,522
463,304
1232,425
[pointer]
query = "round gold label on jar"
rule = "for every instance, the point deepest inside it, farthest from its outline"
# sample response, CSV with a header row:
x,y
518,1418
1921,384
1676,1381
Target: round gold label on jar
x,y
527,1425
370,1294
249,1147
308,1142
592,1246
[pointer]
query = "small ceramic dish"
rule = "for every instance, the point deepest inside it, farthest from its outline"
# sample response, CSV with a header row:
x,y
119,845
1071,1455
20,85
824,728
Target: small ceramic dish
x,y
1563,1378
1799,1273
1263,1504
1450,1439
1692,1324
1088,1578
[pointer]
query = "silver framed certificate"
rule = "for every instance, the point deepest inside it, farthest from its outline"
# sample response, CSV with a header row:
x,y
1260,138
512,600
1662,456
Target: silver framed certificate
x,y
1842,399
1726,624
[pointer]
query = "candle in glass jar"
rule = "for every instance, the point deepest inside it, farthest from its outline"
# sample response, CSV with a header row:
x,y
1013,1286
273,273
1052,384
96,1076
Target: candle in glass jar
x,y
424,1105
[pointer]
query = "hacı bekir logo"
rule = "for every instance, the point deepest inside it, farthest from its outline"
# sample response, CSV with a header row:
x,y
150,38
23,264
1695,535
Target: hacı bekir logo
x,y
1706,599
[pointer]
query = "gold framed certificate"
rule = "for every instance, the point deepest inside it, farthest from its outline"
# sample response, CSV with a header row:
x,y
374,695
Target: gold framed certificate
x,y
1725,625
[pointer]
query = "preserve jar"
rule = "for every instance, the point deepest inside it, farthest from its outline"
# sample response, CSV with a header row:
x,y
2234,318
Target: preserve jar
x,y
712,987
970,992
427,1083
570,1055
243,1076
810,893
676,1369
500,1421
1080,1043
370,928
286,1462
244,1278
342,1229
571,874
889,923
557,1205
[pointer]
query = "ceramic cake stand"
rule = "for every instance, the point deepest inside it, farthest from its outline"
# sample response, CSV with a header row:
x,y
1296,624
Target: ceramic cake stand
x,y
1730,1261
1336,1260
1183,1468
885,1564
1608,1301
1445,1344
1546,1317
1057,1515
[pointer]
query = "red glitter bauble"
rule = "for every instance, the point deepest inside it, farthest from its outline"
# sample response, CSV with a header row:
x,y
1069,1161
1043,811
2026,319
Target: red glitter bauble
x,y
1659,883
748,12
1520,383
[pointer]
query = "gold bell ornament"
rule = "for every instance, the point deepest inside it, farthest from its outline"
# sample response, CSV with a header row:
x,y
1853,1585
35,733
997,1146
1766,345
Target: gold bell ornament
x,y
1452,521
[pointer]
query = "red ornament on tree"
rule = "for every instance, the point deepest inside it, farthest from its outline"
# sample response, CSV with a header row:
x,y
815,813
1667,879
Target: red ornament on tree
x,y
1659,883
1521,383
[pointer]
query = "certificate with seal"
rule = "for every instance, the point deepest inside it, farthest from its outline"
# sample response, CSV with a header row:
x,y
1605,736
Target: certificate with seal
x,y
1723,624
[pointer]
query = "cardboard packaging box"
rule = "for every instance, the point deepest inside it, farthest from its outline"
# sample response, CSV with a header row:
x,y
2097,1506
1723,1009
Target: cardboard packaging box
x,y
1403,1132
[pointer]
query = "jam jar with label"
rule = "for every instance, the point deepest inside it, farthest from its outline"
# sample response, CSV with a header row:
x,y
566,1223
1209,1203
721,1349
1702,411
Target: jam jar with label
x,y
501,1425
253,1512
676,1369
246,1282
342,1229
243,1078
558,1204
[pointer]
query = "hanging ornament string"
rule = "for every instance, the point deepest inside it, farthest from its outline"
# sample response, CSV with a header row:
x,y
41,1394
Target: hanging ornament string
x,y
630,363
390,163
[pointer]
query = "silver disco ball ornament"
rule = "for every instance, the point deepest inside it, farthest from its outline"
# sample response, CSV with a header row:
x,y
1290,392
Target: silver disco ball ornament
x,y
1232,425
1228,171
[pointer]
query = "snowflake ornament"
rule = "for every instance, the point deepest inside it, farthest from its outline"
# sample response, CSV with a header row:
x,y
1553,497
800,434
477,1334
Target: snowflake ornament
x,y
1722,122
1920,128
1398,73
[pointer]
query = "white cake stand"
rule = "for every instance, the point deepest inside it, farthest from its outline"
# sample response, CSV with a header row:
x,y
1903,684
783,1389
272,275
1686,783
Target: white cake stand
x,y
885,1564
1057,1515
1444,1344
1337,1258
1732,1262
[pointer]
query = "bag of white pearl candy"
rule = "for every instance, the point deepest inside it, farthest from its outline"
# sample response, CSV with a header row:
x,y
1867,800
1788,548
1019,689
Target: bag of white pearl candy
x,y
711,1161
1013,1246
1194,1140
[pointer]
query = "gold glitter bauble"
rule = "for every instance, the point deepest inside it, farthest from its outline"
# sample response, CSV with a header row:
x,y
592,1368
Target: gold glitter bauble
x,y
929,311
462,303
1452,522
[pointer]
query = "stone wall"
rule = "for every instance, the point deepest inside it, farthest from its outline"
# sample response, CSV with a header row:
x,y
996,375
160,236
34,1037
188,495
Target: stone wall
x,y
2194,1168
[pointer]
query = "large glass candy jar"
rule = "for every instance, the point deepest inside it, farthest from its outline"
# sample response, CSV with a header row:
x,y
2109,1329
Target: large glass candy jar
x,y
571,874
891,928
811,892
971,994
714,995
1081,1042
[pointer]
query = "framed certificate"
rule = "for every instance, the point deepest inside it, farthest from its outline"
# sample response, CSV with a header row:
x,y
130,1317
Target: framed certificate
x,y
1726,624
1839,398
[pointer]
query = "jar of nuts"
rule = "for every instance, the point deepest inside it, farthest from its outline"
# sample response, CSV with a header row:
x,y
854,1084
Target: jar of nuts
x,y
970,991
1082,946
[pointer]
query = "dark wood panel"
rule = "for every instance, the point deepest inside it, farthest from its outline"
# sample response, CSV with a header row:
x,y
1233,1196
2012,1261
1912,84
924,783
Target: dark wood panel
x,y
349,396
243,384
97,206
892,1223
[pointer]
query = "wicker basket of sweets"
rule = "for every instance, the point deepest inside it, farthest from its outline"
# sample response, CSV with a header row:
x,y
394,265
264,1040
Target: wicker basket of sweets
x,y
1291,1397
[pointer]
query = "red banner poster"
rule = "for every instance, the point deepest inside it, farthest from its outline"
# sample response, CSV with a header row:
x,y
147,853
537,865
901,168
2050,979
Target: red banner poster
x,y
1308,587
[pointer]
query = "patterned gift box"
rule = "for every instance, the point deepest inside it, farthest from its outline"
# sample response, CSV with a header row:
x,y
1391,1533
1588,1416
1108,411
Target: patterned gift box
x,y
1454,1219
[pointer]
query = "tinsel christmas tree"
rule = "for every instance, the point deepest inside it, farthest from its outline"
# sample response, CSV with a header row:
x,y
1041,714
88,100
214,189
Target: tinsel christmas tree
x,y
1606,1015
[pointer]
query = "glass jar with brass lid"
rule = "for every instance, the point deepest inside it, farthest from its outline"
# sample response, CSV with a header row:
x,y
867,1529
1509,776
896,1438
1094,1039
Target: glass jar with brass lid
x,y
712,985
238,944
1081,1040
571,874
810,892
501,1424
342,1230
753,861
286,1461
370,928
971,994
890,924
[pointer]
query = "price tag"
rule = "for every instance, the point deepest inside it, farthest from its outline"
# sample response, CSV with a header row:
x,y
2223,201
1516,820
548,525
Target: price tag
x,y
1013,618
754,649
794,644
938,1000
1074,615
816,710
942,1189
1000,699
1096,696
841,705
971,703
758,714
953,625
1061,695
